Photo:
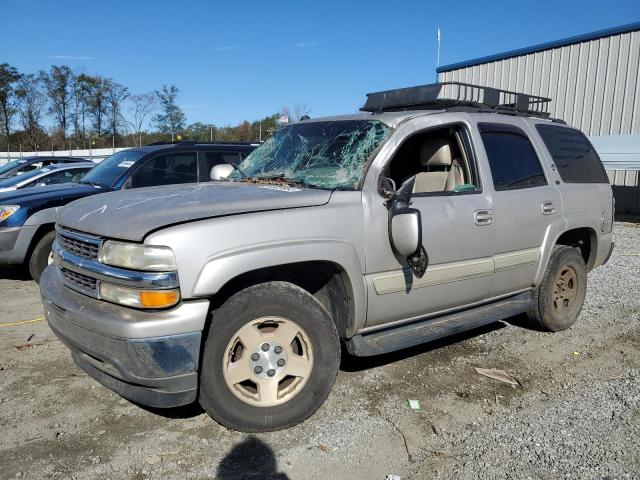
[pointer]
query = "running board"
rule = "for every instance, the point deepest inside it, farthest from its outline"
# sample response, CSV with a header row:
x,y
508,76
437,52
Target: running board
x,y
404,336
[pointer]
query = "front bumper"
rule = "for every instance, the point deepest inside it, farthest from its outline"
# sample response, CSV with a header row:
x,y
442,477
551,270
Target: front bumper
x,y
8,238
149,357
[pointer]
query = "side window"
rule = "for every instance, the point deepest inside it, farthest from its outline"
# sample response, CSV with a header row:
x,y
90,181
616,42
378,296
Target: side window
x,y
573,154
28,168
512,159
167,170
441,161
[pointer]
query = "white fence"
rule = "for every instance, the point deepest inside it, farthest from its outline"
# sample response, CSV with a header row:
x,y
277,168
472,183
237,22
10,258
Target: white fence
x,y
95,154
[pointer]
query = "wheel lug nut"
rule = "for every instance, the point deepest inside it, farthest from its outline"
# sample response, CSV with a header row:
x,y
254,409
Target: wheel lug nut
x,y
271,372
278,349
258,369
255,357
265,347
281,362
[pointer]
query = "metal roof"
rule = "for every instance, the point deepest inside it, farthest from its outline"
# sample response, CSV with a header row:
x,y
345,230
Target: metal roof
x,y
631,27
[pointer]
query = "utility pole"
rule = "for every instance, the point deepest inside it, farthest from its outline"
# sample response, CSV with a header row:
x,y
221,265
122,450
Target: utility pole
x,y
438,54
211,134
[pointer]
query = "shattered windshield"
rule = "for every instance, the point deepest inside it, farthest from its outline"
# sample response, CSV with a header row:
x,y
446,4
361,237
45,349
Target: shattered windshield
x,y
329,155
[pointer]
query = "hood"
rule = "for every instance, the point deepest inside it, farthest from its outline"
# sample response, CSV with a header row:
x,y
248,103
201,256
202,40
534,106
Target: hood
x,y
7,189
55,193
132,214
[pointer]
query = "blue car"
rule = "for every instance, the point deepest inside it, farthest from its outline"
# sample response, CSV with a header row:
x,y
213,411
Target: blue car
x,y
27,217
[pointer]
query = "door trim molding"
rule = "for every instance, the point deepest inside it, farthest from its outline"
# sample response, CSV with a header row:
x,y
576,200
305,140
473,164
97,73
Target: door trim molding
x,y
396,281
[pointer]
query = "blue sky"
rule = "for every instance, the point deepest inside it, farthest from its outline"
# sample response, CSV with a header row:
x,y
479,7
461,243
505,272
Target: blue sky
x,y
244,60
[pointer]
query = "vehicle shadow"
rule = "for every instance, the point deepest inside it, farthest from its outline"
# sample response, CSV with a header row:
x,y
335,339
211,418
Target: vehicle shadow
x,y
175,413
350,363
250,459
14,273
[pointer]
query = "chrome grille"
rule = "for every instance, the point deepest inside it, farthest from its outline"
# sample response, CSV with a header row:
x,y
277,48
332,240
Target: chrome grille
x,y
78,281
74,243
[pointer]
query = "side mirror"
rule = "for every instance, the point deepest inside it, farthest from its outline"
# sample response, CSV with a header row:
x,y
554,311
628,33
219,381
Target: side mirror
x,y
406,231
221,171
41,184
405,228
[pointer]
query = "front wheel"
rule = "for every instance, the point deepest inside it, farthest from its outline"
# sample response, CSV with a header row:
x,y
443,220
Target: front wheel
x,y
270,359
41,256
558,300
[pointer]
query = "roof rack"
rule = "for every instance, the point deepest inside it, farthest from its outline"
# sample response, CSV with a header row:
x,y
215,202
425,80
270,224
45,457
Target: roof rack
x,y
448,95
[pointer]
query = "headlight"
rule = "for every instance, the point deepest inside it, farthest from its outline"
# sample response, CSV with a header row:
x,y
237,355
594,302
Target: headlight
x,y
7,210
137,256
132,297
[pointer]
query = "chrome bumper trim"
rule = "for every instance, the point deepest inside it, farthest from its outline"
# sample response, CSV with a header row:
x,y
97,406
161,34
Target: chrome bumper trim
x,y
118,276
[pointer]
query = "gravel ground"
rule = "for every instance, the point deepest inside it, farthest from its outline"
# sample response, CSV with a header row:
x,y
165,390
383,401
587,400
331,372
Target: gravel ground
x,y
576,414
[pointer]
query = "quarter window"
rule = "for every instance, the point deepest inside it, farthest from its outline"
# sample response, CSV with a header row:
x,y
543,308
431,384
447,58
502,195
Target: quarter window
x,y
573,154
512,159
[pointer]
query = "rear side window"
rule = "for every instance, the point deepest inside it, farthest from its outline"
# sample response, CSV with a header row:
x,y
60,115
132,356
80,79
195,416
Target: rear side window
x,y
573,154
512,159
167,170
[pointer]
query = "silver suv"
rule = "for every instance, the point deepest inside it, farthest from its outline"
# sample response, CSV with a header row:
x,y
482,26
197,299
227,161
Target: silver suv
x,y
438,209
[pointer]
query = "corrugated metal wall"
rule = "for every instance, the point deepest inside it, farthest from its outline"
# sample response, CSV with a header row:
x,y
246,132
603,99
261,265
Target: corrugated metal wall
x,y
594,85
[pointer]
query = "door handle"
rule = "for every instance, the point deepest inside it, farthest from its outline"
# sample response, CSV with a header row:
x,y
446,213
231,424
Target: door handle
x,y
548,208
483,217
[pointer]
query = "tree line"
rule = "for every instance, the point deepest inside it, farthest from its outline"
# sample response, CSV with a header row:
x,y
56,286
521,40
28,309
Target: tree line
x,y
59,109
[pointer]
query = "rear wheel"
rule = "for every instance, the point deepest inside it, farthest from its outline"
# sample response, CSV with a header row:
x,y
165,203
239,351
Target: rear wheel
x,y
41,256
559,298
270,359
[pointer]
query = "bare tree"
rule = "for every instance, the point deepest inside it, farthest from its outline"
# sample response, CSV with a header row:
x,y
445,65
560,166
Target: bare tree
x,y
141,106
299,110
32,109
116,94
9,98
58,83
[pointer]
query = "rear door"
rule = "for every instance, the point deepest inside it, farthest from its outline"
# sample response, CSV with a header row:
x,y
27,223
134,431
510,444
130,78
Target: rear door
x,y
526,203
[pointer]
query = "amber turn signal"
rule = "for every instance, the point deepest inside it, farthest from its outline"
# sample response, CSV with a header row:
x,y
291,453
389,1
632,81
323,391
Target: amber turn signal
x,y
159,298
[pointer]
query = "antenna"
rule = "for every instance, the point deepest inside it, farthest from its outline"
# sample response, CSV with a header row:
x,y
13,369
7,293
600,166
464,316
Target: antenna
x,y
438,54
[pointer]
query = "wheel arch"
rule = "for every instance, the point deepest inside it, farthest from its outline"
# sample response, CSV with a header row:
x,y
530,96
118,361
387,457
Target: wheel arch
x,y
330,271
584,238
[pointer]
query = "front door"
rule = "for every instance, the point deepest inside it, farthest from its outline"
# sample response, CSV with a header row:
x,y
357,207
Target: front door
x,y
457,230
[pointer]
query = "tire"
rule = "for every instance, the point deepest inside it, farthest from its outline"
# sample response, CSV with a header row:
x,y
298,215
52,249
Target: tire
x,y
558,300
40,256
276,311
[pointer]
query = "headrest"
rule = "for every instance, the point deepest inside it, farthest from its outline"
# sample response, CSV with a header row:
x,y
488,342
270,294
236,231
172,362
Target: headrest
x,y
435,151
221,171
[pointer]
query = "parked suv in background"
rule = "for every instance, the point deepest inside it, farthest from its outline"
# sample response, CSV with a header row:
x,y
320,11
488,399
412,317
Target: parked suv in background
x,y
26,164
425,216
27,217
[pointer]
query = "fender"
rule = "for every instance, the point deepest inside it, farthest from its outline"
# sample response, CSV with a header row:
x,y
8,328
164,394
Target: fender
x,y
225,266
560,226
47,215
554,230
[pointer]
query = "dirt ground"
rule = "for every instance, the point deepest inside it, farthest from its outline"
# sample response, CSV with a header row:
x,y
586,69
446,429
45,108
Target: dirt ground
x,y
575,415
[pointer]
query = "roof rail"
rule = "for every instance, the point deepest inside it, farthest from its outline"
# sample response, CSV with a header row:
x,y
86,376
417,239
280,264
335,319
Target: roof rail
x,y
185,143
445,95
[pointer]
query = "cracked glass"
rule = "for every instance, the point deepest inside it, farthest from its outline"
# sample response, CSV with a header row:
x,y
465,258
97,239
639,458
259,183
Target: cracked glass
x,y
328,155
